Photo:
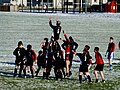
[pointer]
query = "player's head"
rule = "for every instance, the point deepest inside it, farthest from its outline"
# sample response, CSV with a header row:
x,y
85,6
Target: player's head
x,y
87,47
52,38
71,39
29,47
46,39
96,49
20,43
40,52
58,23
111,39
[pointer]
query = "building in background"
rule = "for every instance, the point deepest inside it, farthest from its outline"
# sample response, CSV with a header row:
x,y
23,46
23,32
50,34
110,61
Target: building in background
x,y
60,5
4,2
118,1
18,2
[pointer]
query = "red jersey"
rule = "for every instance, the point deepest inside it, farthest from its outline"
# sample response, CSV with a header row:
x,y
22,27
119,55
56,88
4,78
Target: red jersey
x,y
111,47
34,56
68,45
98,58
67,51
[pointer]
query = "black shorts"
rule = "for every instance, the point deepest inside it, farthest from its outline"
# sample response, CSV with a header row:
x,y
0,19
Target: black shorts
x,y
99,67
41,65
83,68
17,62
30,63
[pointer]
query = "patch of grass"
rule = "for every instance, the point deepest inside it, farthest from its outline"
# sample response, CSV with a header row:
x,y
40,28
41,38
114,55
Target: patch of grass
x,y
37,83
11,83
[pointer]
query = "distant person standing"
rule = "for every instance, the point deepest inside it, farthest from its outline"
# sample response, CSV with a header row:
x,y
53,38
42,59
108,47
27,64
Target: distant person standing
x,y
20,54
40,61
84,58
31,57
45,47
67,47
45,7
110,52
74,47
70,47
119,45
56,29
99,65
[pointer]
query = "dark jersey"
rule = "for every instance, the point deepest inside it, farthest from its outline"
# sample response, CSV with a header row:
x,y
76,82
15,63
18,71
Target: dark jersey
x,y
40,59
45,47
31,56
84,58
56,30
74,46
20,53
119,45
55,47
59,60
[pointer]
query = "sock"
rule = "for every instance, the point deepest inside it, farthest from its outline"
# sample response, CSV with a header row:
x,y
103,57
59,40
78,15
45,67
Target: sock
x,y
67,74
85,77
70,73
61,76
44,75
24,71
32,72
47,74
89,78
80,78
96,80
20,72
110,66
103,81
63,72
15,72
37,71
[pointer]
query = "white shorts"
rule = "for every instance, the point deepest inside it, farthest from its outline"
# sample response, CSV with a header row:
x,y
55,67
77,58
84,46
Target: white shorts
x,y
111,55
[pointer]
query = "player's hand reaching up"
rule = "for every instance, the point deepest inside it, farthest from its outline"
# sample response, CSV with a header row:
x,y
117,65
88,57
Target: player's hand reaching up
x,y
50,18
57,19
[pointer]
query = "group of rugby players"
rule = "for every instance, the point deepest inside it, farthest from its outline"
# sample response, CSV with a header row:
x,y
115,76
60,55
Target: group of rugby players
x,y
52,56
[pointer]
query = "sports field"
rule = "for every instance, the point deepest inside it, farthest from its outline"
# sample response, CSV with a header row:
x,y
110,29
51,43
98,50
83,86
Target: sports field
x,y
93,29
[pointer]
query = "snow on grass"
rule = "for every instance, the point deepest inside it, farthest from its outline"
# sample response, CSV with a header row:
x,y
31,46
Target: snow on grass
x,y
8,82
93,29
37,84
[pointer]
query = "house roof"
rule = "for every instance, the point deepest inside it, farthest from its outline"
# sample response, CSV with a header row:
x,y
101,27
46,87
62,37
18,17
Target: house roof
x,y
4,1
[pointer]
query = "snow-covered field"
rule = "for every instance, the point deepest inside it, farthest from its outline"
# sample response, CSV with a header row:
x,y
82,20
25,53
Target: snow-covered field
x,y
93,29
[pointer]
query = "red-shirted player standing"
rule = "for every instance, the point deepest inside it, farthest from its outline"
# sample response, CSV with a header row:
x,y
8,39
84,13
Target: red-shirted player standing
x,y
99,65
110,51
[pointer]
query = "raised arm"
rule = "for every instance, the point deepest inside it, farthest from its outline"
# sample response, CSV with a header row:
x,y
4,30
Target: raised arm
x,y
63,46
66,37
50,22
76,46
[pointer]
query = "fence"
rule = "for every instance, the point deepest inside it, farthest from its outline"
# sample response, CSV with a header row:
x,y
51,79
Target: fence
x,y
4,8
